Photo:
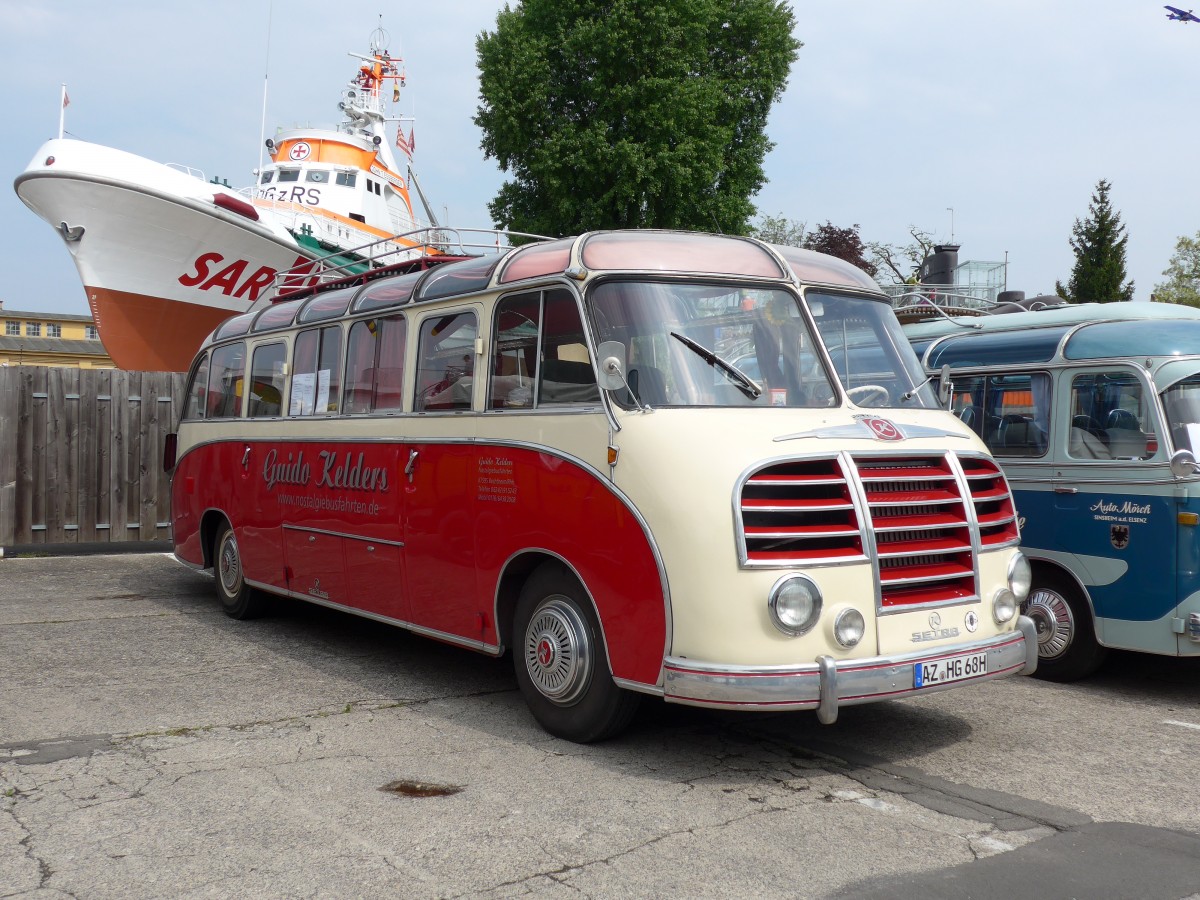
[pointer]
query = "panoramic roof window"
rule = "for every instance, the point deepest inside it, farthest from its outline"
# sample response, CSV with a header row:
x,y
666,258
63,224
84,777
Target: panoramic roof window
x,y
388,292
277,315
326,306
669,252
1162,337
1034,345
533,260
459,278
235,326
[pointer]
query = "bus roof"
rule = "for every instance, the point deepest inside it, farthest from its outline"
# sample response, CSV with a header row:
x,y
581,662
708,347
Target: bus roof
x,y
1079,332
579,258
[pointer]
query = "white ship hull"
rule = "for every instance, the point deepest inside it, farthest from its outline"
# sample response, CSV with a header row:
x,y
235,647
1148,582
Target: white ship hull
x,y
160,262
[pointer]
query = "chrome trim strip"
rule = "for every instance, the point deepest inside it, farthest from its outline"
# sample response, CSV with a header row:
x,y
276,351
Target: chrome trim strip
x,y
366,539
445,637
829,685
651,689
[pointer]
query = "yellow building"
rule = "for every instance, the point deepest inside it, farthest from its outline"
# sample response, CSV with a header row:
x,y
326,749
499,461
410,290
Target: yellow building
x,y
50,339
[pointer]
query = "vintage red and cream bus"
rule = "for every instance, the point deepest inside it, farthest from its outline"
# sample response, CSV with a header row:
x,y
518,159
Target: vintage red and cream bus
x,y
692,466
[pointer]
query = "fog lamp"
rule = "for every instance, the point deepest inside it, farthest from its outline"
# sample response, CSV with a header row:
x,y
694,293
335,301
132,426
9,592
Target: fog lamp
x,y
1004,606
795,605
849,627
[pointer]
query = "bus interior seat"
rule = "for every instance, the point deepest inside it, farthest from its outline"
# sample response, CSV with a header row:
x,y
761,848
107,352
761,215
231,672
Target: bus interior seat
x,y
1022,435
1088,424
1084,445
970,418
1124,435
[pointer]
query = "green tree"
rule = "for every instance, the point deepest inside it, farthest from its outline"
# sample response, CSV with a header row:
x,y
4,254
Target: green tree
x,y
1183,274
1099,245
631,113
780,230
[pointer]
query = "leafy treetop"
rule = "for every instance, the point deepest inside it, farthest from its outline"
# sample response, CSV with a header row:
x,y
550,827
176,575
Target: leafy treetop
x,y
631,113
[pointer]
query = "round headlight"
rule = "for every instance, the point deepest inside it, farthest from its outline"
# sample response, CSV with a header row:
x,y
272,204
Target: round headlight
x,y
1020,577
849,627
795,605
1004,606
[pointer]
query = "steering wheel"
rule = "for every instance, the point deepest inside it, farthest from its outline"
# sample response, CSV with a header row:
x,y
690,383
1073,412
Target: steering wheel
x,y
860,394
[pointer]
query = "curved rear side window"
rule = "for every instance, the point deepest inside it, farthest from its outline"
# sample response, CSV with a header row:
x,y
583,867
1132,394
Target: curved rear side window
x,y
326,306
535,260
459,278
388,292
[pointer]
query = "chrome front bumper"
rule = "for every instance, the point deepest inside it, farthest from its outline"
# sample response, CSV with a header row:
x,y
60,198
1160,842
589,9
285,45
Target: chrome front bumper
x,y
829,684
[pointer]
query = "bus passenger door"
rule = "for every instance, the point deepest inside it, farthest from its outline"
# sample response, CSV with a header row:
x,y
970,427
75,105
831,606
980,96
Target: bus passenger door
x,y
1113,513
440,475
439,511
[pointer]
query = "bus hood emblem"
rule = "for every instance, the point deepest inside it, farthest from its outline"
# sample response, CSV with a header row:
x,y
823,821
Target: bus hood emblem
x,y
876,427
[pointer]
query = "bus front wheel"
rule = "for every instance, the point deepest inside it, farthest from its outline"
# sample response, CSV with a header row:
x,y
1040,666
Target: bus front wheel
x,y
1067,645
238,599
560,660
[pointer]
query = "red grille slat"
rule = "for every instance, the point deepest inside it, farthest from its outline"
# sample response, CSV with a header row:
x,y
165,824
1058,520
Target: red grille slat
x,y
800,512
917,509
890,549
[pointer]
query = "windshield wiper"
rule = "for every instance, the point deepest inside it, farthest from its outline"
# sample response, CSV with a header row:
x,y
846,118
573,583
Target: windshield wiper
x,y
748,385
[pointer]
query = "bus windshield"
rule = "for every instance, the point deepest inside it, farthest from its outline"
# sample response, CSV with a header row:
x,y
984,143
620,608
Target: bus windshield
x,y
1181,402
709,345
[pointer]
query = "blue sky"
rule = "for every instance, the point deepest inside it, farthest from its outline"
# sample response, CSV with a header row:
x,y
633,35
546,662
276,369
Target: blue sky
x,y
1006,111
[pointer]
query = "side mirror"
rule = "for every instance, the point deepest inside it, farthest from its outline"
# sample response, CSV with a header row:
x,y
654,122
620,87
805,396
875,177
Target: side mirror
x,y
945,387
611,356
1183,463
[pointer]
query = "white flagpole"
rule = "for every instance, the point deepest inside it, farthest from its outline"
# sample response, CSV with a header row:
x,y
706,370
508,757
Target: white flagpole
x,y
62,111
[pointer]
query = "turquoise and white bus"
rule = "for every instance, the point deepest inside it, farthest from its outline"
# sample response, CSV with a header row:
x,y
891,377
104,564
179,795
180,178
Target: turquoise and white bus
x,y
1093,411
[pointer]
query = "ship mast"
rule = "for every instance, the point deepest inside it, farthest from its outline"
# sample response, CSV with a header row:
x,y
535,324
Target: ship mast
x,y
363,100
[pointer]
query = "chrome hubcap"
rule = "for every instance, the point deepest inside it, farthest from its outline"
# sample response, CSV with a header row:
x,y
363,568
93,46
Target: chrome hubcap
x,y
1055,624
557,653
229,565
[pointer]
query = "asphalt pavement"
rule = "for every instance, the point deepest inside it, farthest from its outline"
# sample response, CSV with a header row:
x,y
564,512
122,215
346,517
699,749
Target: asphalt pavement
x,y
152,747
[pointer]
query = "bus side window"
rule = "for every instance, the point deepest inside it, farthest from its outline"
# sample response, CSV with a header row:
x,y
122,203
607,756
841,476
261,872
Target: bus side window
x,y
565,374
197,393
1110,419
515,338
267,380
316,363
445,362
388,393
225,381
360,366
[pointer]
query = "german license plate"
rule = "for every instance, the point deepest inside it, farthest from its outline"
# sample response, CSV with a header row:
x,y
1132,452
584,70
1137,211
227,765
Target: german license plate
x,y
954,668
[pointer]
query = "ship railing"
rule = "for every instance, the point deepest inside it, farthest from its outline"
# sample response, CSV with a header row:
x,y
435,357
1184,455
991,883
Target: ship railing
x,y
431,240
918,302
186,170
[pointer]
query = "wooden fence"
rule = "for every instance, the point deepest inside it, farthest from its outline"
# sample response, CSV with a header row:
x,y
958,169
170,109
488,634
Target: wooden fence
x,y
81,455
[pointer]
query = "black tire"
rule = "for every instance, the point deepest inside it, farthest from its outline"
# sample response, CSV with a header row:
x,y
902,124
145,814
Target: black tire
x,y
238,599
560,661
1067,645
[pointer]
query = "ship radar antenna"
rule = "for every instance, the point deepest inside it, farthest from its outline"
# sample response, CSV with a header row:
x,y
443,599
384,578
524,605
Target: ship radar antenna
x,y
380,39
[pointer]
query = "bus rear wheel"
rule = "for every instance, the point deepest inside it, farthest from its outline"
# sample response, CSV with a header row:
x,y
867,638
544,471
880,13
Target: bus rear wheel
x,y
560,661
238,599
1067,645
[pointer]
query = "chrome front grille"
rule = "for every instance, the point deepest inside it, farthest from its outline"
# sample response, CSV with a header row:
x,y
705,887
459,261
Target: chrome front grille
x,y
922,516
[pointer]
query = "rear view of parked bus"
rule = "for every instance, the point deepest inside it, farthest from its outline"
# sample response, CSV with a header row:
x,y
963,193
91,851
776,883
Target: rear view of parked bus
x,y
693,467
1094,413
